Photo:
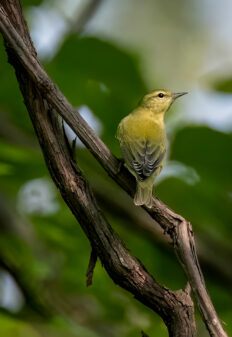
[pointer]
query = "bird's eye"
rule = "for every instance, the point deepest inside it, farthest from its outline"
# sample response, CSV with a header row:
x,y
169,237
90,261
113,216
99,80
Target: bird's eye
x,y
161,95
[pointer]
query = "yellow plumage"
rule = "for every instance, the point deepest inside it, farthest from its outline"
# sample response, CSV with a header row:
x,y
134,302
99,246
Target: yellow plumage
x,y
142,141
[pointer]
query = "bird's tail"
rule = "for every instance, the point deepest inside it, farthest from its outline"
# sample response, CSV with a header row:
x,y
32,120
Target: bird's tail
x,y
143,195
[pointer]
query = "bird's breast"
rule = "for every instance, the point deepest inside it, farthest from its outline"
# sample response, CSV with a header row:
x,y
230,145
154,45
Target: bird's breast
x,y
145,128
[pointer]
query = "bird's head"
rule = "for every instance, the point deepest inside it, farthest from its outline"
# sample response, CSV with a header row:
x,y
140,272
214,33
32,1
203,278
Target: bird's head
x,y
159,101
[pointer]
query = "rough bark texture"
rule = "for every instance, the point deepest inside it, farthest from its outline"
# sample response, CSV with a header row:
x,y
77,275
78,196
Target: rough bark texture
x,y
138,221
43,99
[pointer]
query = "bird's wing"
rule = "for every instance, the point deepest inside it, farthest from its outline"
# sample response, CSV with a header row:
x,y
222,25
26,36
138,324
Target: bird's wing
x,y
144,158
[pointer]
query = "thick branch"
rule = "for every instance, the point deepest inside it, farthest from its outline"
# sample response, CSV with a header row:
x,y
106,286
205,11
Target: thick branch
x,y
139,222
176,308
179,230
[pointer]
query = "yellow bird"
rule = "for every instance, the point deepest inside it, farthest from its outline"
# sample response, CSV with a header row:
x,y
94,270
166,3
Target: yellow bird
x,y
142,139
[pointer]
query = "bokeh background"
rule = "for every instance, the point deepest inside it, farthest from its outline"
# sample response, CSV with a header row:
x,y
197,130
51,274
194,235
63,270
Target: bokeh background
x,y
105,55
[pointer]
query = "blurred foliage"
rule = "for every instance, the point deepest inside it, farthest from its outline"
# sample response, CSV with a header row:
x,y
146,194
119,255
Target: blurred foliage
x,y
223,85
48,259
207,203
10,96
30,3
95,73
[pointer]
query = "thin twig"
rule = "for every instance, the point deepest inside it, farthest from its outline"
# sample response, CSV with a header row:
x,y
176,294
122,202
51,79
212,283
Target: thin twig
x,y
91,266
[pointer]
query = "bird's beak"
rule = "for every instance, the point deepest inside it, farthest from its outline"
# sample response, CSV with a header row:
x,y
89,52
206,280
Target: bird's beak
x,y
178,94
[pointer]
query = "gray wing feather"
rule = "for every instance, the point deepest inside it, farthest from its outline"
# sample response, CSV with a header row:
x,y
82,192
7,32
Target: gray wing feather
x,y
143,158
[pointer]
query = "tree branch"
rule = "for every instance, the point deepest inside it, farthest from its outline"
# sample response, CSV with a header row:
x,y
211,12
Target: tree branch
x,y
74,187
139,222
91,266
176,308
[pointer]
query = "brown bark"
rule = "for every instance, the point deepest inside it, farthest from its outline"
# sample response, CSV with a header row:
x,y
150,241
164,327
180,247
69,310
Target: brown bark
x,y
42,97
140,223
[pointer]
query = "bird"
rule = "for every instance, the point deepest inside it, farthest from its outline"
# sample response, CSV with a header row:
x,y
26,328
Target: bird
x,y
142,140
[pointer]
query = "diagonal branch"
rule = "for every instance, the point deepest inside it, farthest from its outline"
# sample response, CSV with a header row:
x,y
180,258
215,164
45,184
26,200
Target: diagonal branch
x,y
179,230
176,308
140,223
